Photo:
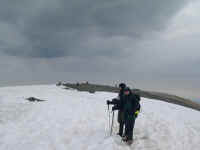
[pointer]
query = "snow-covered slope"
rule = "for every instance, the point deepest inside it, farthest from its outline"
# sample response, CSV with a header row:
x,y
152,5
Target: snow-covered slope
x,y
72,120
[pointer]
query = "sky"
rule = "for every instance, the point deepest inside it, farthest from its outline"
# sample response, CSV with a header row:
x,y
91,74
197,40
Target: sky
x,y
151,45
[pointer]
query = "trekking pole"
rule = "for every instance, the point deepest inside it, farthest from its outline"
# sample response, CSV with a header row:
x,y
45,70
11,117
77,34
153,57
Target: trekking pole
x,y
109,117
108,120
111,128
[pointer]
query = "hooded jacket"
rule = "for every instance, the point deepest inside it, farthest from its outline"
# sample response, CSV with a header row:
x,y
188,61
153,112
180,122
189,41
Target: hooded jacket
x,y
130,105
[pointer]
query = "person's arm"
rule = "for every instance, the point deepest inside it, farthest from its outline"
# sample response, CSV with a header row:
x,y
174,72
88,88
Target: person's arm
x,y
136,108
134,104
114,101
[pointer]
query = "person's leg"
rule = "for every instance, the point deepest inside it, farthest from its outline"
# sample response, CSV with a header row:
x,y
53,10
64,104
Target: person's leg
x,y
121,128
126,123
131,124
121,122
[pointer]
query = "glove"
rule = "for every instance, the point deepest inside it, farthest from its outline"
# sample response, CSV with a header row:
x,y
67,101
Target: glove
x,y
136,113
114,108
108,102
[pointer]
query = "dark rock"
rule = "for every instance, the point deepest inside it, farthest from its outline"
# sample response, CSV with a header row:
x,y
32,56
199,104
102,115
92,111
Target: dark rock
x,y
33,99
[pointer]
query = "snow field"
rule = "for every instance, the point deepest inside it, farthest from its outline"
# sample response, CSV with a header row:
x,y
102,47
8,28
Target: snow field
x,y
71,120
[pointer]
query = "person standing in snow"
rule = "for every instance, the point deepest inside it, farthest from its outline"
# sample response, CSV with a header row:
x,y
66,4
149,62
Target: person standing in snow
x,y
120,117
131,109
118,105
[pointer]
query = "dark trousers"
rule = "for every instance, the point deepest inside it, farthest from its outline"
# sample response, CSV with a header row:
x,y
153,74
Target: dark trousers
x,y
129,125
121,122
121,128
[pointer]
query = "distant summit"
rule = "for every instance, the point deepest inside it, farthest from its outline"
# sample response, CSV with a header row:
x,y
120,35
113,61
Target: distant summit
x,y
92,88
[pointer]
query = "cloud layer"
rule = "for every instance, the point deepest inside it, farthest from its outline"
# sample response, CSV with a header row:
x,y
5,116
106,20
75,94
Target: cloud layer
x,y
150,44
44,28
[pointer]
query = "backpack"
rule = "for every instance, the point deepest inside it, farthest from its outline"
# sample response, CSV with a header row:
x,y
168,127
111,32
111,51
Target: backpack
x,y
138,99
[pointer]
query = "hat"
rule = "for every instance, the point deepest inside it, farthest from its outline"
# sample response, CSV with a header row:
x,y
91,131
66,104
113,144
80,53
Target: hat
x,y
127,89
122,85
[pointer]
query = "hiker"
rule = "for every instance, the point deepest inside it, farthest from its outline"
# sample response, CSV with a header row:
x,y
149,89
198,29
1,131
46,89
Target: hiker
x,y
131,109
118,105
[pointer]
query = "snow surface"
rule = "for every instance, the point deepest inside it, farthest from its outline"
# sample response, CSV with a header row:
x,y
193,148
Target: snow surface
x,y
72,120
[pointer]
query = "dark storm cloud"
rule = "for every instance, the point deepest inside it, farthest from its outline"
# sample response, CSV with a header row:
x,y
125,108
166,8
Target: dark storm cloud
x,y
140,42
44,28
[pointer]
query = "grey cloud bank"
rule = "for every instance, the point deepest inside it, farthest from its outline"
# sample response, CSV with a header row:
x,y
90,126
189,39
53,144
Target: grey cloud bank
x,y
144,43
44,28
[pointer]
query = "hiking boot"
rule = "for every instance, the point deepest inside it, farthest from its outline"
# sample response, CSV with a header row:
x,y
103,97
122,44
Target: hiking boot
x,y
129,142
124,138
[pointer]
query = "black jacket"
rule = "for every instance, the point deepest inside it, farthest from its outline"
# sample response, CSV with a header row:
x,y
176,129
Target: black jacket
x,y
118,102
121,99
130,104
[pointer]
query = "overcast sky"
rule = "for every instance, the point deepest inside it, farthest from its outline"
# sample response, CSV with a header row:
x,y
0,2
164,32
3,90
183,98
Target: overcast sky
x,y
149,44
